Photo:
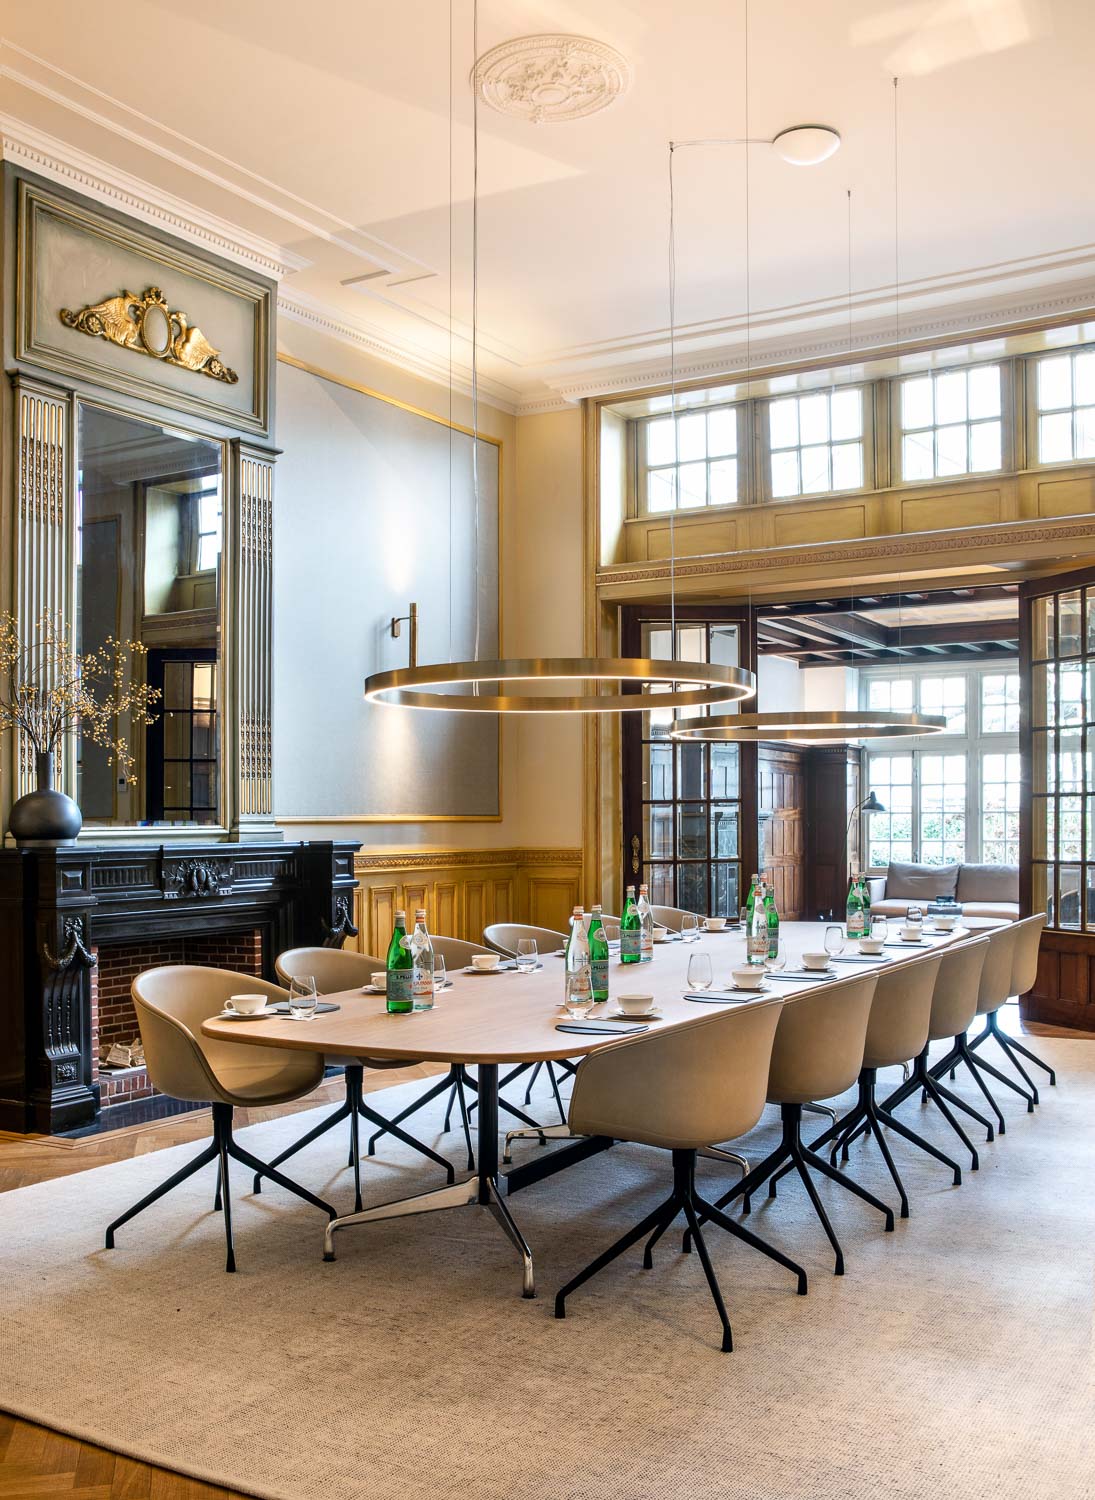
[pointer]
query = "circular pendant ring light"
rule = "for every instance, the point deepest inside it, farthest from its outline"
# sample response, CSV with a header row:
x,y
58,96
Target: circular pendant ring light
x,y
691,685
687,684
819,726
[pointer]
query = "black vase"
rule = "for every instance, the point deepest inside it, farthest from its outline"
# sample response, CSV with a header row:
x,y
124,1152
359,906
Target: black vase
x,y
45,816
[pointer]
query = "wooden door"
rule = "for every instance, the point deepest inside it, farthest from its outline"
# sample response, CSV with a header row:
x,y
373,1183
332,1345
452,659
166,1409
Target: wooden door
x,y
689,810
1057,808
781,808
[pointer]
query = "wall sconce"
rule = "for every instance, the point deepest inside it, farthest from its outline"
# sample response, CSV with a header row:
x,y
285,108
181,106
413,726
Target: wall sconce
x,y
396,628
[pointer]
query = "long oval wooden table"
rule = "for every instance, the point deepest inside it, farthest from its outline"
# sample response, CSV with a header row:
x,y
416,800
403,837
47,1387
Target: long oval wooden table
x,y
509,1017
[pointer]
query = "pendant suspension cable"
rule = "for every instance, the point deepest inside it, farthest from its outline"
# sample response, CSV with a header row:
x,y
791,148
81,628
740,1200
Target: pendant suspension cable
x,y
475,315
673,412
451,105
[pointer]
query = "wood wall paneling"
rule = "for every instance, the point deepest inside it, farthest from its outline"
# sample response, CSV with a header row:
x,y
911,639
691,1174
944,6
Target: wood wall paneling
x,y
781,805
464,891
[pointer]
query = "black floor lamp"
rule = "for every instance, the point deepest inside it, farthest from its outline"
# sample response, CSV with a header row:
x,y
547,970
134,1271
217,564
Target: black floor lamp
x,y
869,804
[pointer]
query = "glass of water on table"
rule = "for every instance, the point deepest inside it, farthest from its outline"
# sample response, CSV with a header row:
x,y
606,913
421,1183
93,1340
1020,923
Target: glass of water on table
x,y
527,956
303,1000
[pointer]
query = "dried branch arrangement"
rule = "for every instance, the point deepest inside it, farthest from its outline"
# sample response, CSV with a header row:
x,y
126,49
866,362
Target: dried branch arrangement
x,y
48,690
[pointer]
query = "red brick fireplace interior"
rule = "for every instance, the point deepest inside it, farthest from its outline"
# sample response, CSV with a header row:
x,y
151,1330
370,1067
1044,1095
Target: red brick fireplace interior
x,y
113,1018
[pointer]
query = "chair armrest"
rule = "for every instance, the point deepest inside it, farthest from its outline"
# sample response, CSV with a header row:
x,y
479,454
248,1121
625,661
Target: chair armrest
x,y
877,884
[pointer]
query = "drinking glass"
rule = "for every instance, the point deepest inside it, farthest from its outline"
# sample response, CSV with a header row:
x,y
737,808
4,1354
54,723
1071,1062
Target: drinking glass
x,y
700,974
303,999
690,927
914,917
578,999
834,941
879,928
778,960
526,954
440,977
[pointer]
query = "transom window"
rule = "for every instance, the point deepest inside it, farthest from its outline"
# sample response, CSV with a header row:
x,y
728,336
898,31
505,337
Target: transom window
x,y
951,423
949,798
1064,397
694,466
815,442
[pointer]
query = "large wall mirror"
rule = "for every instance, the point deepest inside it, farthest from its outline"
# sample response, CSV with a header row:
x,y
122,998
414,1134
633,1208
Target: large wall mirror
x,y
149,548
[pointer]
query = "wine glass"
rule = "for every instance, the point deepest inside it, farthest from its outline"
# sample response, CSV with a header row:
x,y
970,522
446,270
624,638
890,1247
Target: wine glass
x,y
834,940
700,974
303,999
777,960
527,956
690,929
440,977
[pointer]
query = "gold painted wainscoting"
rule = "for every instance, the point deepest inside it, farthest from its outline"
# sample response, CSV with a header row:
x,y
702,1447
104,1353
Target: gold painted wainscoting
x,y
462,890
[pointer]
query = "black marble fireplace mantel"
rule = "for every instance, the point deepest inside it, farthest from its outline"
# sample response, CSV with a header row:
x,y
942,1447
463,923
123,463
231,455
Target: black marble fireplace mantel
x,y
56,905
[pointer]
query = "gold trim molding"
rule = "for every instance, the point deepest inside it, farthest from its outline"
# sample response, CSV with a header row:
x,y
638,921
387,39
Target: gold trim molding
x,y
428,859
147,325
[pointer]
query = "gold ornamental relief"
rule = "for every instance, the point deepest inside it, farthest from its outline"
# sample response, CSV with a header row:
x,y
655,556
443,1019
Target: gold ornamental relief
x,y
146,324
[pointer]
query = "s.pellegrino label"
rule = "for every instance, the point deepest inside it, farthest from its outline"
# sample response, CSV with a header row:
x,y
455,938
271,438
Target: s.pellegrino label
x,y
598,955
631,931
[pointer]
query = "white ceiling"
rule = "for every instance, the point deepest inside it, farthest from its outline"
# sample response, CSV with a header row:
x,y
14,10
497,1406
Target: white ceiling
x,y
315,139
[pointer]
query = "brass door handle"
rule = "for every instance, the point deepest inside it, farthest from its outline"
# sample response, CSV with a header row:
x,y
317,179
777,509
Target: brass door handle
x,y
636,846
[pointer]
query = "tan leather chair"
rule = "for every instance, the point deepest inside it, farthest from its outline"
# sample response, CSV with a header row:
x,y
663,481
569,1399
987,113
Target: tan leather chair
x,y
455,951
680,1090
954,1005
818,1053
897,1032
503,937
335,970
672,916
1024,971
171,1004
994,990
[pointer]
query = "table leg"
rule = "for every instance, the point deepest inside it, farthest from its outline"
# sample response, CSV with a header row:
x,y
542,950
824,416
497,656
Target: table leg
x,y
482,1189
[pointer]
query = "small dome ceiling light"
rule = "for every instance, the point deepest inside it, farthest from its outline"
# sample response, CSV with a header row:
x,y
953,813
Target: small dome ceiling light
x,y
806,145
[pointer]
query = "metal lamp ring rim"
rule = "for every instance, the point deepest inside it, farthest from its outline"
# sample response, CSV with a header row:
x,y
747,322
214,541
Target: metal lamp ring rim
x,y
808,725
420,686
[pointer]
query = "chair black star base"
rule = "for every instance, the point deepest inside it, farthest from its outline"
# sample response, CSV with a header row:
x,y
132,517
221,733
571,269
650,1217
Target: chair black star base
x,y
867,1114
801,1157
961,1052
221,1149
930,1088
352,1107
1012,1051
532,1069
683,1199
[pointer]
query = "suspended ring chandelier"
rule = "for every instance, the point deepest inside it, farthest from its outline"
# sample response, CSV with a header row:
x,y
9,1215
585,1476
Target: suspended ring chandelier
x,y
691,685
824,725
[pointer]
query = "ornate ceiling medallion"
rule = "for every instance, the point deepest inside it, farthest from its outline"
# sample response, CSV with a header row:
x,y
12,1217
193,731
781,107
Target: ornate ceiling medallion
x,y
147,325
543,79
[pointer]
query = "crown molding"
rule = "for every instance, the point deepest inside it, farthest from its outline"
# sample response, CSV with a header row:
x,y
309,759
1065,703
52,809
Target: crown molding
x,y
406,356
67,165
370,860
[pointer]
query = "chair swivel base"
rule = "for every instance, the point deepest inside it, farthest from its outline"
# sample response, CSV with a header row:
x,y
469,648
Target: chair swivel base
x,y
683,1199
1013,1050
867,1114
352,1107
962,1052
930,1088
793,1152
222,1149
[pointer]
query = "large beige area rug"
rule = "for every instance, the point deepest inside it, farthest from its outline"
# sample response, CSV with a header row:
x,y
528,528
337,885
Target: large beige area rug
x,y
953,1360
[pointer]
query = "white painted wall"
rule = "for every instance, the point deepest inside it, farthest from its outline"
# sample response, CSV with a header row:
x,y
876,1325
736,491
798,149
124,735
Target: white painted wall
x,y
780,685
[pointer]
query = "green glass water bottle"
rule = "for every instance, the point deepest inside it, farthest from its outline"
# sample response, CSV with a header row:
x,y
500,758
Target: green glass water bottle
x,y
598,955
854,909
631,931
400,969
772,916
750,902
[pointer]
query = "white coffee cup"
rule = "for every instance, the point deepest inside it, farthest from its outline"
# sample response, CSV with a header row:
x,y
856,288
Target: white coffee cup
x,y
635,1005
246,1005
944,924
661,934
380,980
815,960
911,934
484,961
870,945
714,924
751,977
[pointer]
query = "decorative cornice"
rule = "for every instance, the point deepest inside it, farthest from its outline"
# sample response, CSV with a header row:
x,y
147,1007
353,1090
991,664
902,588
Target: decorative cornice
x,y
446,859
416,361
66,164
969,539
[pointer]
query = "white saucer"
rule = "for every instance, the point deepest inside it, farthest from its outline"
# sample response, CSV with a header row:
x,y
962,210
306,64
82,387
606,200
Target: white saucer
x,y
622,1015
234,1015
471,969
